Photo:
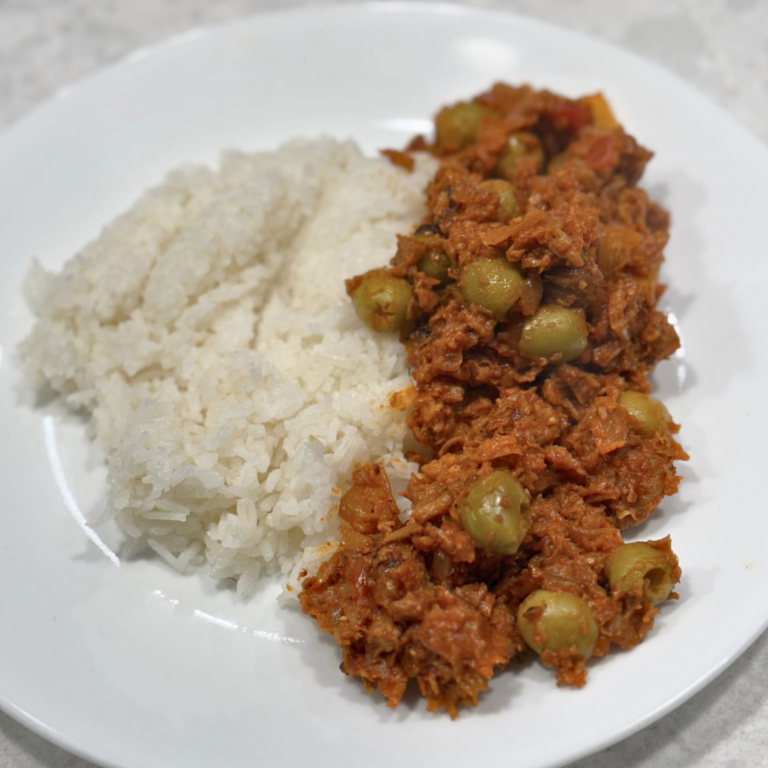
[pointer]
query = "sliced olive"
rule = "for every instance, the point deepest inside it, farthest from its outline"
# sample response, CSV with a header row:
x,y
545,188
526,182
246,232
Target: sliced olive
x,y
651,415
381,300
552,621
494,284
642,570
456,127
554,330
497,513
506,206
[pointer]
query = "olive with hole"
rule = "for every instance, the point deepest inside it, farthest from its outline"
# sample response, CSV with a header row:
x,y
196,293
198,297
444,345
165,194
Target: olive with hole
x,y
497,513
381,300
651,415
456,127
494,284
553,621
507,207
642,570
520,146
554,330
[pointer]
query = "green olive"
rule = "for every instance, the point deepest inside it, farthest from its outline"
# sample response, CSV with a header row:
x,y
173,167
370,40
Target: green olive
x,y
494,284
506,206
556,163
616,248
435,264
554,330
640,569
552,621
381,300
497,513
457,126
651,415
520,145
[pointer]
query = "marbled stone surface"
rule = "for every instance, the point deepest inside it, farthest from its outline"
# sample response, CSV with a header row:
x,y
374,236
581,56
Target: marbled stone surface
x,y
721,46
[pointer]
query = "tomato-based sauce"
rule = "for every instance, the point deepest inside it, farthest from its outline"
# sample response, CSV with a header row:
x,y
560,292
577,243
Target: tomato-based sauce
x,y
527,303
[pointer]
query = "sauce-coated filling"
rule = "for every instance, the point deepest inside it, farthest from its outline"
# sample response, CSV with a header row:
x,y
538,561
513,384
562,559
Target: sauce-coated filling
x,y
527,303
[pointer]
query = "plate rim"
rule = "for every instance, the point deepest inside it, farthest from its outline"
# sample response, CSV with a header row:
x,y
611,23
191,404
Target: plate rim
x,y
393,7
198,33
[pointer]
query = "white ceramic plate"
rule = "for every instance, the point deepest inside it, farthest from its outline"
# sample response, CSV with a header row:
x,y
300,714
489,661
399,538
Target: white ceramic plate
x,y
131,665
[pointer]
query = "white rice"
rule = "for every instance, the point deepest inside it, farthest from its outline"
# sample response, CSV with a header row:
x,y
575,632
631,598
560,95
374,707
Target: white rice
x,y
208,332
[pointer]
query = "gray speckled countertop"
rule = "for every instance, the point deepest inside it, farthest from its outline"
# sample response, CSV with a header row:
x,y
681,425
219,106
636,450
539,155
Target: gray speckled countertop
x,y
721,46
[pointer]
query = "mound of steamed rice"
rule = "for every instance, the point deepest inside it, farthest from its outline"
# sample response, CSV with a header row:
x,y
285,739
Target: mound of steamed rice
x,y
230,383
